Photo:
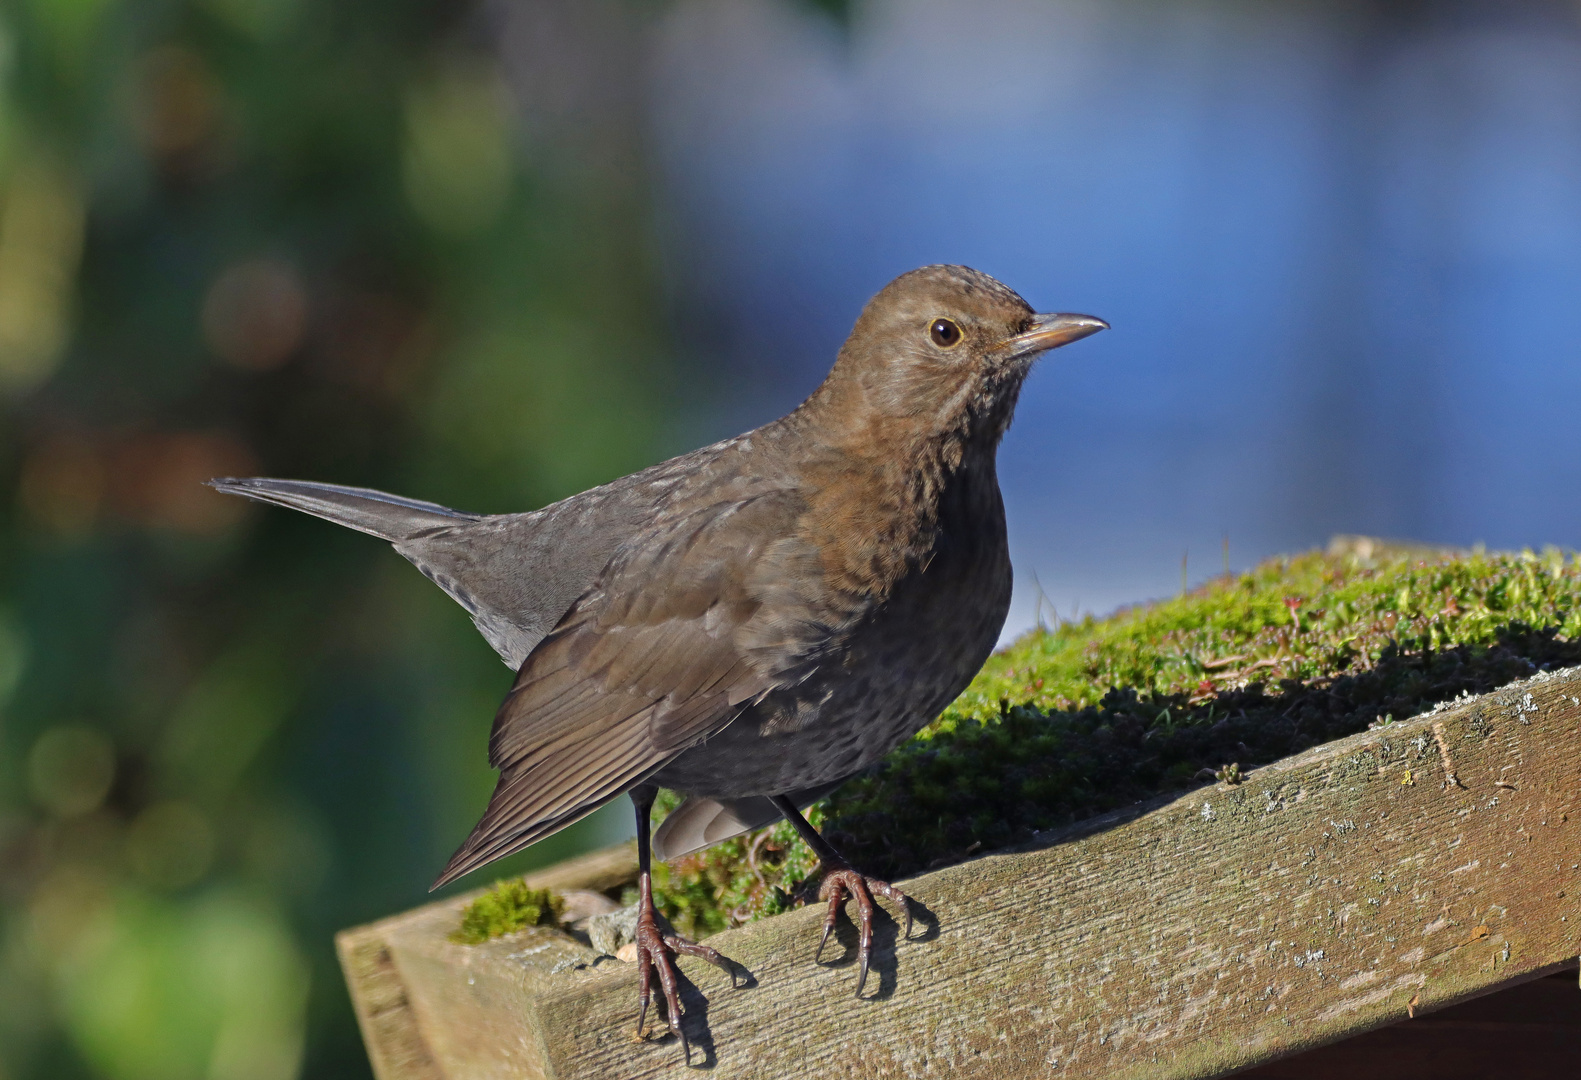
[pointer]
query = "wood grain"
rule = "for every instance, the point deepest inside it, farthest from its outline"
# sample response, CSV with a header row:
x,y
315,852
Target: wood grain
x,y
1395,872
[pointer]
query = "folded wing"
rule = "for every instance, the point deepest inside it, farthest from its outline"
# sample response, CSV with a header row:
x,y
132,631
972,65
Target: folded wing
x,y
663,651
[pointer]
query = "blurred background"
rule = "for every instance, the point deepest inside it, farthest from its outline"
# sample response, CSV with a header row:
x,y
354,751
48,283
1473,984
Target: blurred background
x,y
492,253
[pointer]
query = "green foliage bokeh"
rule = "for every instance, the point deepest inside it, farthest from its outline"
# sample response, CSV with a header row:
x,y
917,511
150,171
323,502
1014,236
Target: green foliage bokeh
x,y
286,237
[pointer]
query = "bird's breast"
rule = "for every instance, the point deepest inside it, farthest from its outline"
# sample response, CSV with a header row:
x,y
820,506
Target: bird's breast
x,y
926,621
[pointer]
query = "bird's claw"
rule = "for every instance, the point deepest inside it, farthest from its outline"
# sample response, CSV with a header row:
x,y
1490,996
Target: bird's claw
x,y
842,881
656,952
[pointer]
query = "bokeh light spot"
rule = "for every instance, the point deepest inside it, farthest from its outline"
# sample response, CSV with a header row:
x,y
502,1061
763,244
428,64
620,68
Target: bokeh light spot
x,y
158,480
457,158
171,844
41,228
70,769
68,906
255,314
208,989
179,107
62,485
288,846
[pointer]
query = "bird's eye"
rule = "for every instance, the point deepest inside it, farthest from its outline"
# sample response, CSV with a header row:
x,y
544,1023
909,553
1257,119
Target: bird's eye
x,y
945,333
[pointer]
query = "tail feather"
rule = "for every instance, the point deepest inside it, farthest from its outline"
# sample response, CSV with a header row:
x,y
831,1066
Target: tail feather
x,y
377,513
699,822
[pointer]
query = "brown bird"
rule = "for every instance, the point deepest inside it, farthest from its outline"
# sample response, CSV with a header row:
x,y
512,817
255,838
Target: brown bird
x,y
754,622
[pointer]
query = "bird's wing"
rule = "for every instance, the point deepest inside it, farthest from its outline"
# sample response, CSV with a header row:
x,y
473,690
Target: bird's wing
x,y
685,628
518,574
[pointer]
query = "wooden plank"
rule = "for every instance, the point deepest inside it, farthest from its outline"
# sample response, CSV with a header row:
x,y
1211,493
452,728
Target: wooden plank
x,y
1398,871
397,1048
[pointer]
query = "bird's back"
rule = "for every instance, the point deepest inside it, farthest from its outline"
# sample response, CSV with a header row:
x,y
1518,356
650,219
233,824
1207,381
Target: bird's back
x,y
518,574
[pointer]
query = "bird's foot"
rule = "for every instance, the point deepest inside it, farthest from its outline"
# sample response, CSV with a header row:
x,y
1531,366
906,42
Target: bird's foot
x,y
840,881
656,952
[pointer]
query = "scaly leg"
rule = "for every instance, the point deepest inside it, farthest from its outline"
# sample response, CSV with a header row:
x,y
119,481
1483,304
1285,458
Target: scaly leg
x,y
655,948
839,880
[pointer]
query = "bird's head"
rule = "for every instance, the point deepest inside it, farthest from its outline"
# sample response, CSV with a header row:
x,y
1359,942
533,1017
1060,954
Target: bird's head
x,y
944,348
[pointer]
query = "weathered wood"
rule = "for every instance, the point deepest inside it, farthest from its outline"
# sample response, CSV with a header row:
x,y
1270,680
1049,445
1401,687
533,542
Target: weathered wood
x,y
397,1048
1394,872
389,1030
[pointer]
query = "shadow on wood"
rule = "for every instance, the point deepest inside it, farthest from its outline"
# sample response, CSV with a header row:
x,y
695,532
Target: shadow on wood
x,y
1392,873
1527,1032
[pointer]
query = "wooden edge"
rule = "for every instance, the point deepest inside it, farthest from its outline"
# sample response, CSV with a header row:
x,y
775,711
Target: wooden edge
x,y
396,1048
391,1033
1385,875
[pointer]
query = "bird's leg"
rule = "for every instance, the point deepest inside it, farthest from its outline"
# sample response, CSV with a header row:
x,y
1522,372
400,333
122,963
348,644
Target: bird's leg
x,y
656,949
840,879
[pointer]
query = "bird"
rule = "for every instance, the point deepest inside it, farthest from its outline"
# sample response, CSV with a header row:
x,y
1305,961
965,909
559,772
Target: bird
x,y
752,623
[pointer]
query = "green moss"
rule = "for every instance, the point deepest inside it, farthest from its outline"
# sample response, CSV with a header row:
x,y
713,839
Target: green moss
x,y
736,881
506,908
1095,715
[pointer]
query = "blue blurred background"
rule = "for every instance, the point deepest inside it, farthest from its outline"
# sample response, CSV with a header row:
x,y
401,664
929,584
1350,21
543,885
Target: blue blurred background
x,y
492,253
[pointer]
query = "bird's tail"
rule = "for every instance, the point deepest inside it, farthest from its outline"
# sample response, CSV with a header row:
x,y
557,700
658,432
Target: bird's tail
x,y
698,822
377,513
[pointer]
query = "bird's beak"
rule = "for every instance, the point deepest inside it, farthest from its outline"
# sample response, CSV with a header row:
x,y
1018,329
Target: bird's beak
x,y
1050,332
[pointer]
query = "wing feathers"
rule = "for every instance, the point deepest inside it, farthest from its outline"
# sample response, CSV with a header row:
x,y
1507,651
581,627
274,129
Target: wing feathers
x,y
648,662
529,804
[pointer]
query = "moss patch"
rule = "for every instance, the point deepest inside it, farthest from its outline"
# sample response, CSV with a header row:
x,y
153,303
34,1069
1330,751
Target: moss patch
x,y
733,882
506,908
1091,716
